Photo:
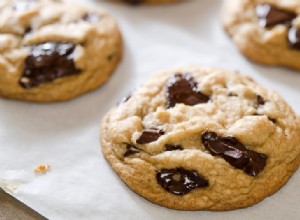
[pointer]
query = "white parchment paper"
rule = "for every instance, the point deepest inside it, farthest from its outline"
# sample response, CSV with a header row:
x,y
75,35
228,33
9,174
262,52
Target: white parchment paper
x,y
81,184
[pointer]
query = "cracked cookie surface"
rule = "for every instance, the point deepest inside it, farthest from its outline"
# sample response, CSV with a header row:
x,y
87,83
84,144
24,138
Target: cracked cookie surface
x,y
236,145
266,31
55,50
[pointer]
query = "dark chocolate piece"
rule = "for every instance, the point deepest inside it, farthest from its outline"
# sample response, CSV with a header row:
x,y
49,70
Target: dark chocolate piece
x,y
183,89
234,152
130,150
180,181
46,62
149,135
294,38
171,147
270,15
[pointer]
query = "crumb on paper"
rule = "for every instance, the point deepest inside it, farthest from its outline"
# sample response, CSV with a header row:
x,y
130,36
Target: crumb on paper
x,y
42,169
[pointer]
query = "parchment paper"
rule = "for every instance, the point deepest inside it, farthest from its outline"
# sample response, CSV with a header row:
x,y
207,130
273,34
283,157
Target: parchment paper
x,y
81,184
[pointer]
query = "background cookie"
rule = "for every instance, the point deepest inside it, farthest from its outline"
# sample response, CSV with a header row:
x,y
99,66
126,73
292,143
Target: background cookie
x,y
202,139
266,31
55,50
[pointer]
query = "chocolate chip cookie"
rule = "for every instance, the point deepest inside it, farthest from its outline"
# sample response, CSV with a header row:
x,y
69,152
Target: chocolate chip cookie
x,y
266,31
202,139
54,50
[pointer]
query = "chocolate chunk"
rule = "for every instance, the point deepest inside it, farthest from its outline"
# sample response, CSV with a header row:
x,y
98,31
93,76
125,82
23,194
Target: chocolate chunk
x,y
294,38
130,150
180,181
234,152
149,135
254,163
171,147
260,100
91,17
183,89
270,15
46,62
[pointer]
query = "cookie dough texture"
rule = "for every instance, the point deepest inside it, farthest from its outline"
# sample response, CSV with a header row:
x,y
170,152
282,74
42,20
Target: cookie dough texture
x,y
26,23
263,45
232,111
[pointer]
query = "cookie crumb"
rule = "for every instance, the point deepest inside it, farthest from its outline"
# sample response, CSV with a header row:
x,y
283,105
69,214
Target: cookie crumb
x,y
42,169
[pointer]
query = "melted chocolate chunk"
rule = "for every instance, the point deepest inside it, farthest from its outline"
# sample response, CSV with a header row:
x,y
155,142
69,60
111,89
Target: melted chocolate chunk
x,y
91,17
171,147
46,62
149,135
180,181
234,152
294,38
183,89
260,100
130,150
270,15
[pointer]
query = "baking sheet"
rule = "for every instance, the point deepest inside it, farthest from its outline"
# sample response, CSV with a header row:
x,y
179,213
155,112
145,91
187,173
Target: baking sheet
x,y
11,208
81,184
